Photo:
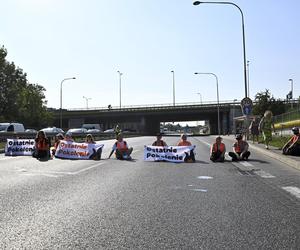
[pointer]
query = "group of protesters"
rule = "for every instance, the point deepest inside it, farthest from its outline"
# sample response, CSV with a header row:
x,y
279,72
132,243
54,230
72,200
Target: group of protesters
x,y
240,150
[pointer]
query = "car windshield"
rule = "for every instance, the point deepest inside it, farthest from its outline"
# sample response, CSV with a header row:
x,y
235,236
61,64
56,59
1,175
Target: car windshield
x,y
3,127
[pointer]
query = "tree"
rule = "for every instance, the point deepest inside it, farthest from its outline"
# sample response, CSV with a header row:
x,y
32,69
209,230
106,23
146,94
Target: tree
x,y
265,101
19,100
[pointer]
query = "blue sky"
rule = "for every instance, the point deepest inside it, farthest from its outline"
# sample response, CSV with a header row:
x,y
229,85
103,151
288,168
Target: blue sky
x,y
92,39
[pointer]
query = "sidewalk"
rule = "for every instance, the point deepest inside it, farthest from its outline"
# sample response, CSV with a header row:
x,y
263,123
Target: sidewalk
x,y
275,153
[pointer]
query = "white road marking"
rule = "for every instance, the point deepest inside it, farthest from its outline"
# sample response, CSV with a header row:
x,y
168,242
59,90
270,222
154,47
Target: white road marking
x,y
57,173
293,190
246,164
199,190
134,151
205,177
264,174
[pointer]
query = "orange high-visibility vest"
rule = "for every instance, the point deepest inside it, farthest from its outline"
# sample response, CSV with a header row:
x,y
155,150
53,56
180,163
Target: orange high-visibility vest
x,y
220,148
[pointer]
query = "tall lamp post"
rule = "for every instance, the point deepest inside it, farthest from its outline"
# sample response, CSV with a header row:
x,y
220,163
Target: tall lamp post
x,y
120,88
233,115
243,30
200,96
87,101
218,104
173,73
248,78
292,89
65,79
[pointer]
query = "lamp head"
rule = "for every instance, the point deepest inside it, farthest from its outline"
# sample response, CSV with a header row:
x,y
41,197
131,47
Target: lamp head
x,y
73,77
196,73
196,3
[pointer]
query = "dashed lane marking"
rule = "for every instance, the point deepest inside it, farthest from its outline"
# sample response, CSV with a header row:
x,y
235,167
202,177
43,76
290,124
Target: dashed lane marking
x,y
264,174
293,190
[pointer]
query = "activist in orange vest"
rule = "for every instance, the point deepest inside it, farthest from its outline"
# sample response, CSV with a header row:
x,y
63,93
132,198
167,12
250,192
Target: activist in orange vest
x,y
217,150
121,149
184,142
292,147
159,142
240,149
42,146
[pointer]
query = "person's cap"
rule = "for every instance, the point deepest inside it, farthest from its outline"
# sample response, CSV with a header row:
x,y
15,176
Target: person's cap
x,y
295,129
239,137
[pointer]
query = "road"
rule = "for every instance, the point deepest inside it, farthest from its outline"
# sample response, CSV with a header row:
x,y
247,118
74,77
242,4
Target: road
x,y
109,204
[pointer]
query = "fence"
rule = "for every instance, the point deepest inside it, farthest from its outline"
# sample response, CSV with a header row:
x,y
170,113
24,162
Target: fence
x,y
286,117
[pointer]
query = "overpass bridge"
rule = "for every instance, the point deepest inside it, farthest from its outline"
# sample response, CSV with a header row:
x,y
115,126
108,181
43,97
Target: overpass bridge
x,y
146,119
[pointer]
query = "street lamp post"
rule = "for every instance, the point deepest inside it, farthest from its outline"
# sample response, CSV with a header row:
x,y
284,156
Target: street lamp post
x,y
66,79
248,78
87,101
200,96
233,115
173,87
292,89
120,86
243,31
218,104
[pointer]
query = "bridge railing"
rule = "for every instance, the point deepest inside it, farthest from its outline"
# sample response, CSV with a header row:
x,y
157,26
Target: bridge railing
x,y
163,105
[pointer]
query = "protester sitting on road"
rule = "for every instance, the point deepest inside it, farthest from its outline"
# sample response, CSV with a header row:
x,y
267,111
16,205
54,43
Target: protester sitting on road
x,y
292,147
42,146
184,142
240,149
217,150
96,154
159,142
68,137
121,149
57,139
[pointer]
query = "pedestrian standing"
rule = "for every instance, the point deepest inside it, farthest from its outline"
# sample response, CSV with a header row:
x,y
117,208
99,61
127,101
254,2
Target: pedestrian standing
x,y
254,129
265,126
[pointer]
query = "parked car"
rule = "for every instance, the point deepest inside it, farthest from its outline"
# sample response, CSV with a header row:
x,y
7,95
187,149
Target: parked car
x,y
30,130
111,130
11,127
77,131
94,130
53,130
89,126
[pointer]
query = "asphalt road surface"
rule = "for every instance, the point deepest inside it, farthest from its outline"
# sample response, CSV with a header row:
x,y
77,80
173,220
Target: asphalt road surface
x,y
111,204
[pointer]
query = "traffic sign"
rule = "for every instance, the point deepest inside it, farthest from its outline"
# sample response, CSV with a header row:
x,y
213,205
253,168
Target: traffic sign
x,y
247,106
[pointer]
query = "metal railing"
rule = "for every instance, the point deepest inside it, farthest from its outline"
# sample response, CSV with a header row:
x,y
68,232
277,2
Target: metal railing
x,y
162,105
286,117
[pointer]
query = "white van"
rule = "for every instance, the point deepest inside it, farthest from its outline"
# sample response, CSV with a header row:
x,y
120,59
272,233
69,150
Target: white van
x,y
11,127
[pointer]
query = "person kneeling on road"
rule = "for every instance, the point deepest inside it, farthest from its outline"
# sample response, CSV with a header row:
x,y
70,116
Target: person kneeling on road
x,y
42,146
292,147
240,149
121,149
217,150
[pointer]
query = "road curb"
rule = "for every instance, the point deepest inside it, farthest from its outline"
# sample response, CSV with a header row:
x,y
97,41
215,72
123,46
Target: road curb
x,y
280,157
